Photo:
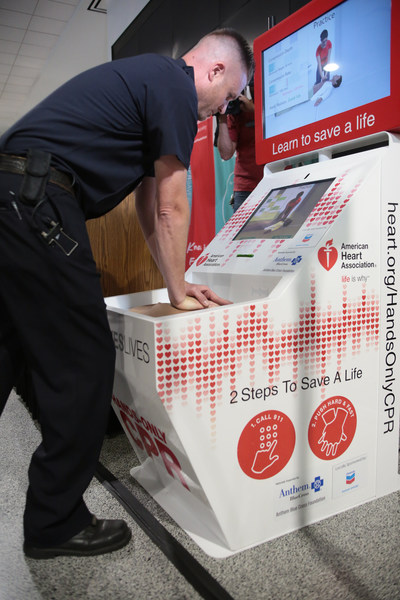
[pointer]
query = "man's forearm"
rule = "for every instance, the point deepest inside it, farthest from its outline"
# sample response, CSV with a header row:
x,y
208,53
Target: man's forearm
x,y
163,215
225,145
171,231
145,202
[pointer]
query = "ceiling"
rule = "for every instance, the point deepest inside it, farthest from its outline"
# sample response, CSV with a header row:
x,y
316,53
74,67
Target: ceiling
x,y
29,30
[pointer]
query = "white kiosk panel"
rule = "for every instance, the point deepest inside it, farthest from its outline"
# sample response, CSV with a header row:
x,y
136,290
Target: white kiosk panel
x,y
257,418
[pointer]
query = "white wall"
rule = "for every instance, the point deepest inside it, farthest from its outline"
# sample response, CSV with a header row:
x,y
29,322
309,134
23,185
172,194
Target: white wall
x,y
83,44
120,14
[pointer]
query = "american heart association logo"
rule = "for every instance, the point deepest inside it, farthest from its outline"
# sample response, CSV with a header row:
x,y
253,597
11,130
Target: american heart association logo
x,y
327,255
202,259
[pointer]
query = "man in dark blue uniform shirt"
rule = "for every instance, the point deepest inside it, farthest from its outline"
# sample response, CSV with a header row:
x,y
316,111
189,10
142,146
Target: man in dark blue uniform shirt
x,y
126,125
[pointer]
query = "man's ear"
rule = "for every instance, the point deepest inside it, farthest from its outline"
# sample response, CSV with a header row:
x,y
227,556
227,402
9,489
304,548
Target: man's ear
x,y
216,70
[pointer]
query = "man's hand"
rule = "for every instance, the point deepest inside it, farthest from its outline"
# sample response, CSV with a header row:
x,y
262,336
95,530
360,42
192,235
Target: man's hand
x,y
200,296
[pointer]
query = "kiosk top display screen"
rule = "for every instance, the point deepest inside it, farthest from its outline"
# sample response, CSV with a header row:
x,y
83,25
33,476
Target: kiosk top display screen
x,y
325,75
283,211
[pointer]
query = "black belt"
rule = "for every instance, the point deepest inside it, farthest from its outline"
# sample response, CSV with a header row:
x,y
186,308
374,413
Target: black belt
x,y
16,164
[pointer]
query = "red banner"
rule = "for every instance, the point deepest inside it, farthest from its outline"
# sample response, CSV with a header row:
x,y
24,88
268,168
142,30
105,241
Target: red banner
x,y
202,223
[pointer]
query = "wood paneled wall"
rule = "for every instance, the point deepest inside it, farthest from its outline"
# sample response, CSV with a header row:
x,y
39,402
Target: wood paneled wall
x,y
121,253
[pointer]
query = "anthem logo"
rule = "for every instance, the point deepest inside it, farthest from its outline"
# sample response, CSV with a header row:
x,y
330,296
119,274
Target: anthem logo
x,y
327,255
317,484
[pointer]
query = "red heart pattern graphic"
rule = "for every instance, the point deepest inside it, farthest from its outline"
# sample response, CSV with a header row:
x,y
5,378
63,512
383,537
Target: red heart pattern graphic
x,y
210,358
213,357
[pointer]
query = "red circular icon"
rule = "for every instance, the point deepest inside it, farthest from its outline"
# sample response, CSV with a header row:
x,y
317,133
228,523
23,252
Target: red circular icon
x,y
332,427
266,444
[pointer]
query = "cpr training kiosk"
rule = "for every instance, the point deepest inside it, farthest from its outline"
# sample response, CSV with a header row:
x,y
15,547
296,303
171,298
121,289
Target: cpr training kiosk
x,y
254,419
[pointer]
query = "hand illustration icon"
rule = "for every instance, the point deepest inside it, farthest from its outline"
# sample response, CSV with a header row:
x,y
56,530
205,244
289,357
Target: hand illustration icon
x,y
264,459
333,432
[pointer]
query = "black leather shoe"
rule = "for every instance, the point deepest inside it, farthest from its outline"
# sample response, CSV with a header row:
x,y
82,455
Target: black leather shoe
x,y
101,536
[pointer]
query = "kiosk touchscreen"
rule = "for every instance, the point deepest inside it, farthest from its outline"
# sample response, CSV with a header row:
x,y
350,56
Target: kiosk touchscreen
x,y
256,418
281,214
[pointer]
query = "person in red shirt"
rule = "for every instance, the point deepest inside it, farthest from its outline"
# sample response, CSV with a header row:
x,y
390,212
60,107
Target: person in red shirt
x,y
323,55
236,134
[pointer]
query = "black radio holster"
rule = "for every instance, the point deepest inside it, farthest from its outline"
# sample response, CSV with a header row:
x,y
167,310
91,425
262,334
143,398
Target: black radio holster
x,y
36,176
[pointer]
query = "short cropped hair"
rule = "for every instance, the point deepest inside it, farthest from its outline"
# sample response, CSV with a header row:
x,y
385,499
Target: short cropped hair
x,y
324,34
245,51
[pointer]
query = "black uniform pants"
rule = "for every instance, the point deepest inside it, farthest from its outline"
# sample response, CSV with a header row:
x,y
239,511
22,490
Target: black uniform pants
x,y
52,315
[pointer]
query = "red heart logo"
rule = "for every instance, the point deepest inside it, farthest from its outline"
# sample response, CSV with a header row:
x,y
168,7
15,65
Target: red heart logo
x,y
327,255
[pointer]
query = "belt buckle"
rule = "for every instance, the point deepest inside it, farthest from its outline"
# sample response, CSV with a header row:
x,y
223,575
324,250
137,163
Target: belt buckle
x,y
56,235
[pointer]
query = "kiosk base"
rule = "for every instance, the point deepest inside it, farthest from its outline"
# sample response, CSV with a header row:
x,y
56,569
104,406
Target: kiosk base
x,y
191,515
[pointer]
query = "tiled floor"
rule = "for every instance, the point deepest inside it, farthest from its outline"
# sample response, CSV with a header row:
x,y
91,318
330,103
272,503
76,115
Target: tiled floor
x,y
355,555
